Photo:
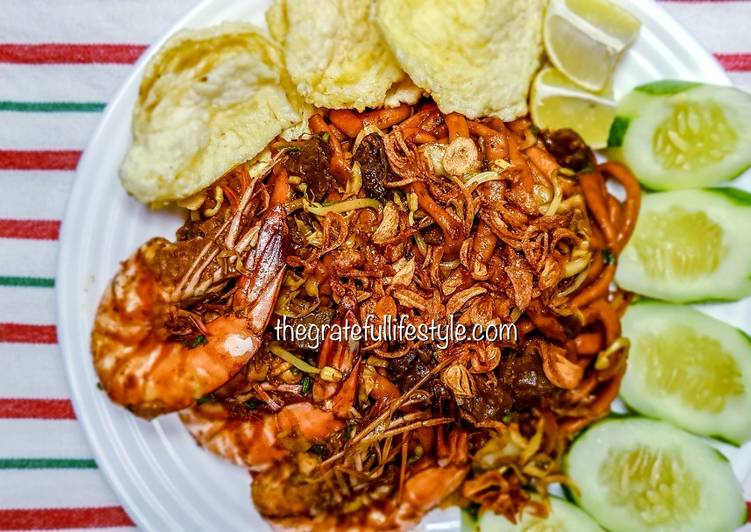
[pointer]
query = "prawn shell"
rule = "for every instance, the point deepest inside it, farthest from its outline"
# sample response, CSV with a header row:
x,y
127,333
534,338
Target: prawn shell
x,y
141,370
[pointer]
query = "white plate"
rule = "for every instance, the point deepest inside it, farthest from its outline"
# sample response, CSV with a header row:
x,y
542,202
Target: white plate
x,y
163,479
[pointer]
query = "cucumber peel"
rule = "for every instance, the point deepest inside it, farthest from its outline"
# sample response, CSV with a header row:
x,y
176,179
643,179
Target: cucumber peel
x,y
563,517
679,134
666,87
736,195
618,131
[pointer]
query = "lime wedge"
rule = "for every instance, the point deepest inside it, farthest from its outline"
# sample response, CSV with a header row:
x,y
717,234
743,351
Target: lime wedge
x,y
557,103
585,38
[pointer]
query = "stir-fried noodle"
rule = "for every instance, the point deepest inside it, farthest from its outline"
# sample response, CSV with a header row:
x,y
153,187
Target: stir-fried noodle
x,y
409,212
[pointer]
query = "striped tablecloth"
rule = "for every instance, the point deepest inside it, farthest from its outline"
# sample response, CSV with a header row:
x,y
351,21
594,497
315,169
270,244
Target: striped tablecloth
x,y
60,62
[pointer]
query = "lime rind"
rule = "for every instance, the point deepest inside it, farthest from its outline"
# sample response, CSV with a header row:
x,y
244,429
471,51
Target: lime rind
x,y
609,16
557,103
570,36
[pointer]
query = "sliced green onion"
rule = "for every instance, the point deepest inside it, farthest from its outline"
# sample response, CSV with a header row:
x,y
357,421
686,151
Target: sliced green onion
x,y
330,374
292,281
292,359
315,239
195,342
609,257
253,403
306,384
317,449
208,398
292,206
500,165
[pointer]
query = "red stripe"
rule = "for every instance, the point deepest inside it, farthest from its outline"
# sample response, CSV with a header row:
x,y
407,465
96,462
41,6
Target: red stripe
x,y
39,159
31,229
735,62
36,409
57,518
56,53
23,333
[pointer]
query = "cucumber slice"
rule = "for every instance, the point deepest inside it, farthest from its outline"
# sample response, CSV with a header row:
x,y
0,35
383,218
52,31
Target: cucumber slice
x,y
641,474
688,368
563,517
690,246
677,134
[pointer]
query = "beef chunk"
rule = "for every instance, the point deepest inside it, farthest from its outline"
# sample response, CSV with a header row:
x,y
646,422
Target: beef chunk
x,y
374,166
408,370
489,403
433,235
569,149
523,375
309,159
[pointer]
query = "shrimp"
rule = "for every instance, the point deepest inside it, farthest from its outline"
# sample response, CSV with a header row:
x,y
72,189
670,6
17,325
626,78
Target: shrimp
x,y
139,363
258,442
304,495
286,498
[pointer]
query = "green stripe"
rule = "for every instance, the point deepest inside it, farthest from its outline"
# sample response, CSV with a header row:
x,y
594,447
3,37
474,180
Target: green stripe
x,y
40,282
52,107
47,463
